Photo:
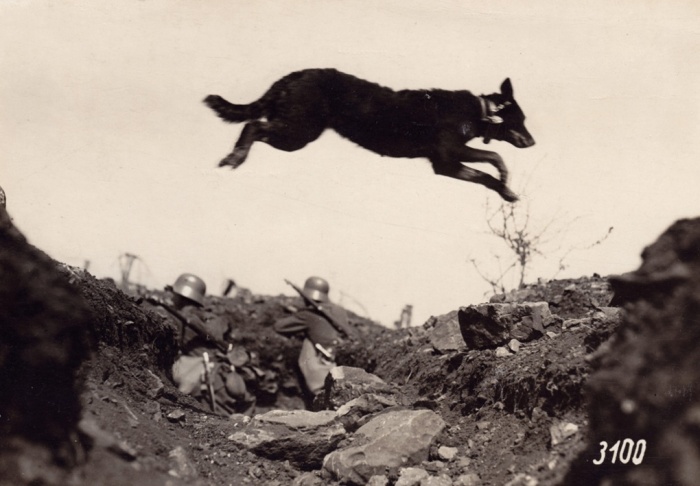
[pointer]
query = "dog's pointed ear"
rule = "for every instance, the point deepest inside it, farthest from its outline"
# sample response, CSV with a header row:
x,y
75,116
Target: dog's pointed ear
x,y
507,89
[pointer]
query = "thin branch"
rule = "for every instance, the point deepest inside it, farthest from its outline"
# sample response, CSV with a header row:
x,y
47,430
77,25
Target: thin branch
x,y
513,225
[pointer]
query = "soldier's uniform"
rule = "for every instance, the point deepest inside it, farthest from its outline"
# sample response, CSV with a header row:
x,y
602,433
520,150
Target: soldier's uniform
x,y
189,372
321,338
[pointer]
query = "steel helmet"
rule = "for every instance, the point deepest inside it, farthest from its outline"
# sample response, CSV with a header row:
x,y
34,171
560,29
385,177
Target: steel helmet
x,y
191,287
317,288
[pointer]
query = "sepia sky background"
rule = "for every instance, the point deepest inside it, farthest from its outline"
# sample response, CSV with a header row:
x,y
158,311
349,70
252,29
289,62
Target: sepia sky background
x,y
107,148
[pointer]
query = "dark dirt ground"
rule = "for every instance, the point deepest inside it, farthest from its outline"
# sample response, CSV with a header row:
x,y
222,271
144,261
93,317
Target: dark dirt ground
x,y
503,431
136,428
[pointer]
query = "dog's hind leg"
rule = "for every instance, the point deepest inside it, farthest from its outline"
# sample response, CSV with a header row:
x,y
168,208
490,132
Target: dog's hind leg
x,y
250,134
278,134
459,171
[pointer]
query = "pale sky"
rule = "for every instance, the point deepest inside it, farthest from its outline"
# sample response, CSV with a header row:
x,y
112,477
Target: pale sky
x,y
107,148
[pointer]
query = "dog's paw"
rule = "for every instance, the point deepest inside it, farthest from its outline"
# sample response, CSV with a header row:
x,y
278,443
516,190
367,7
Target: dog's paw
x,y
232,160
227,163
508,195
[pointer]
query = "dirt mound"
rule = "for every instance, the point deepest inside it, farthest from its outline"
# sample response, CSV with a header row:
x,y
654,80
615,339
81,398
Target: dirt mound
x,y
643,399
511,404
43,341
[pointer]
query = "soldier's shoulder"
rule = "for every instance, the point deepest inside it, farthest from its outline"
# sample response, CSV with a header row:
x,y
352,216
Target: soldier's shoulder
x,y
335,310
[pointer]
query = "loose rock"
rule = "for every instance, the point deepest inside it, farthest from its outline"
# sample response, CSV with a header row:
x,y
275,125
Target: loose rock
x,y
411,476
176,416
389,441
182,465
300,436
446,335
491,325
345,383
561,431
447,453
470,479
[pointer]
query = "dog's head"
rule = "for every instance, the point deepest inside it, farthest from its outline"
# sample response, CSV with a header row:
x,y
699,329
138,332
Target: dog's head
x,y
504,119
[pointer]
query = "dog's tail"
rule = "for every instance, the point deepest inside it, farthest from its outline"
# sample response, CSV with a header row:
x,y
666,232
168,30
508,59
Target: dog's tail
x,y
234,113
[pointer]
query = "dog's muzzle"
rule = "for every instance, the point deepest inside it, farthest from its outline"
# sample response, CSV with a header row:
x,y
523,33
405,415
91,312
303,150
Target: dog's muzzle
x,y
520,140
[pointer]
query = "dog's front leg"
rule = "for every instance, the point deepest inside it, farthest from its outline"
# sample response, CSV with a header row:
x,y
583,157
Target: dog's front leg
x,y
469,154
451,152
458,171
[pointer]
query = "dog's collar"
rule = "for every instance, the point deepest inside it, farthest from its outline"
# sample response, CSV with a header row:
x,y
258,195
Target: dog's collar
x,y
489,110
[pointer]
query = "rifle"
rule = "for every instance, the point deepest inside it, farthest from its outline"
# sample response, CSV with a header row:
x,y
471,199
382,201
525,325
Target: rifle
x,y
210,387
195,326
341,329
210,383
223,347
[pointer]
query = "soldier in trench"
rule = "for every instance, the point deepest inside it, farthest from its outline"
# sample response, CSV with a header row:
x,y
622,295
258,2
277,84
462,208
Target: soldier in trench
x,y
323,324
207,366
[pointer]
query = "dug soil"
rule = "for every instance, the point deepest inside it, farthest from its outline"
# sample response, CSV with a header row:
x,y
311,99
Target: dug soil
x,y
516,409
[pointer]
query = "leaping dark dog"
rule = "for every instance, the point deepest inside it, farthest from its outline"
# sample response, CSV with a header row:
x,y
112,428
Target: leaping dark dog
x,y
435,124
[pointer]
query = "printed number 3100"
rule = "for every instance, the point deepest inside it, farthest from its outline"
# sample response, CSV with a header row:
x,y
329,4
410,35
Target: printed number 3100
x,y
628,449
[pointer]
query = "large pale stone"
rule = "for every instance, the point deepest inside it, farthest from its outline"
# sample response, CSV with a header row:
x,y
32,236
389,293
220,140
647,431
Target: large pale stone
x,y
300,436
388,442
446,335
359,410
298,419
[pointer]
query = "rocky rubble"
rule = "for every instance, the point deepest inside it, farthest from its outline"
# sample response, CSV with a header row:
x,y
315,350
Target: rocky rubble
x,y
487,325
493,393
